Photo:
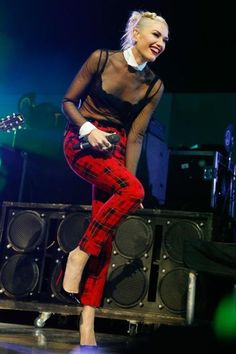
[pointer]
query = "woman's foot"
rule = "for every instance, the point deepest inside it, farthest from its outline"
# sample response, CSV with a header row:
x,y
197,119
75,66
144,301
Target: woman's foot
x,y
71,298
88,349
76,262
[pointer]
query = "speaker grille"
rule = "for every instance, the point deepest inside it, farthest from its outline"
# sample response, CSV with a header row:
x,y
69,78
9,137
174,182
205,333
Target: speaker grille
x,y
175,236
133,237
173,290
70,231
122,280
25,231
19,275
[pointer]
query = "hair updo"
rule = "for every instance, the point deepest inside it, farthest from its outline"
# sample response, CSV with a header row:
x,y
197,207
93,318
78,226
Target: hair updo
x,y
135,21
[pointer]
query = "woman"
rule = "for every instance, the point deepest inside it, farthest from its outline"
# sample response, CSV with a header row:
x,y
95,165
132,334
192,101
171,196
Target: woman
x,y
113,92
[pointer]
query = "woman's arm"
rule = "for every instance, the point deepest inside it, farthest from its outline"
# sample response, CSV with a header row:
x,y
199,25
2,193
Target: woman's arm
x,y
138,129
77,88
96,137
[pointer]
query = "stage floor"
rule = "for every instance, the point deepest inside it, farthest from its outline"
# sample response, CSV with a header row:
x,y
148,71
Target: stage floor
x,y
27,339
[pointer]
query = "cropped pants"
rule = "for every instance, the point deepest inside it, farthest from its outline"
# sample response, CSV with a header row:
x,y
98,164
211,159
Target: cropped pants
x,y
116,192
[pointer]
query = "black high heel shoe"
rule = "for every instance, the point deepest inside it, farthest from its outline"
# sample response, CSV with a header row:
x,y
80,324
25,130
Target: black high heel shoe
x,y
66,296
71,298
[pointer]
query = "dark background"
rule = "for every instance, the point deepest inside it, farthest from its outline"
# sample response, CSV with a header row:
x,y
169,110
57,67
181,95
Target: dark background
x,y
46,41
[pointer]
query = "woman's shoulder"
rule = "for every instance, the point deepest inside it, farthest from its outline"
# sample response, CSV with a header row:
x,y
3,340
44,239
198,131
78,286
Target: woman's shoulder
x,y
103,53
96,58
151,75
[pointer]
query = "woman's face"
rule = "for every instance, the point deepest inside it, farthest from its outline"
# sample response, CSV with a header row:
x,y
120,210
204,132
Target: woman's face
x,y
151,39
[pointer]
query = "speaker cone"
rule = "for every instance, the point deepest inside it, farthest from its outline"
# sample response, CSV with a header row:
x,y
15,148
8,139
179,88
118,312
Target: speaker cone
x,y
70,231
19,275
25,231
120,282
173,289
175,236
133,237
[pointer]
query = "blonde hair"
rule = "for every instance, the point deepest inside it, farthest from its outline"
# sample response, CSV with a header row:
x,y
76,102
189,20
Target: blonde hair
x,y
136,20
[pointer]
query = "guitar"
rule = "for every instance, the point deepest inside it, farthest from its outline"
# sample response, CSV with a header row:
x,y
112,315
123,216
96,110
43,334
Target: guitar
x,y
11,122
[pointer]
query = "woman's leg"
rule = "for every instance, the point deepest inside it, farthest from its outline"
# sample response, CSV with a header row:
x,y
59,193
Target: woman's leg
x,y
95,273
126,195
94,279
96,270
86,326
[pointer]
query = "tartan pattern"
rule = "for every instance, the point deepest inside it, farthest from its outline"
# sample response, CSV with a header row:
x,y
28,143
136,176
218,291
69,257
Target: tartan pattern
x,y
116,193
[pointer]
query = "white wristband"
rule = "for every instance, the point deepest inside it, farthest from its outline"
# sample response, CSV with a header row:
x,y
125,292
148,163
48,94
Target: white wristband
x,y
85,129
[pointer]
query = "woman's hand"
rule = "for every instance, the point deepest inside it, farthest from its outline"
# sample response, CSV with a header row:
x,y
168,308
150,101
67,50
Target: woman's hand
x,y
97,139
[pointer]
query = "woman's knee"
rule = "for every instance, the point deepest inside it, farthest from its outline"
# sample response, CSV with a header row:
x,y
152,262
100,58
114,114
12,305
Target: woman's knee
x,y
136,189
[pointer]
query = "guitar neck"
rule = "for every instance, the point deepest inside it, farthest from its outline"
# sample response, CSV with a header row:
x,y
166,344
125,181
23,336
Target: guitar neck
x,y
11,122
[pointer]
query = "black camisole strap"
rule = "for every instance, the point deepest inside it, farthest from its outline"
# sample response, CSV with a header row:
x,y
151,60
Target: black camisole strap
x,y
100,70
156,78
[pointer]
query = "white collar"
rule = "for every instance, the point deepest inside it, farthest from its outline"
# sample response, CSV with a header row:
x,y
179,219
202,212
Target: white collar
x,y
130,59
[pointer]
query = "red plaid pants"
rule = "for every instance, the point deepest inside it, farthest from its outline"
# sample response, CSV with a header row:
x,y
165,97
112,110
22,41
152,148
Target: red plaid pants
x,y
116,193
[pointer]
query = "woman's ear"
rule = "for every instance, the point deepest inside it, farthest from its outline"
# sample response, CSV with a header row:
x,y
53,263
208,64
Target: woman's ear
x,y
135,34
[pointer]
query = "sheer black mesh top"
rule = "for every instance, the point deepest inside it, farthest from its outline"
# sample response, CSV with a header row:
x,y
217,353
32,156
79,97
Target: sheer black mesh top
x,y
108,88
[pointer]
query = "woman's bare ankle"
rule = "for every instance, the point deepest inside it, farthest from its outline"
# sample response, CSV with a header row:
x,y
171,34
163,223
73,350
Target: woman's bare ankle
x,y
87,338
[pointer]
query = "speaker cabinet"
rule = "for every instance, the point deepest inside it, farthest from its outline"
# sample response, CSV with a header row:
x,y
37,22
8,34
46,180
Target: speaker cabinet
x,y
147,279
173,276
131,266
35,241
153,166
147,275
200,181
